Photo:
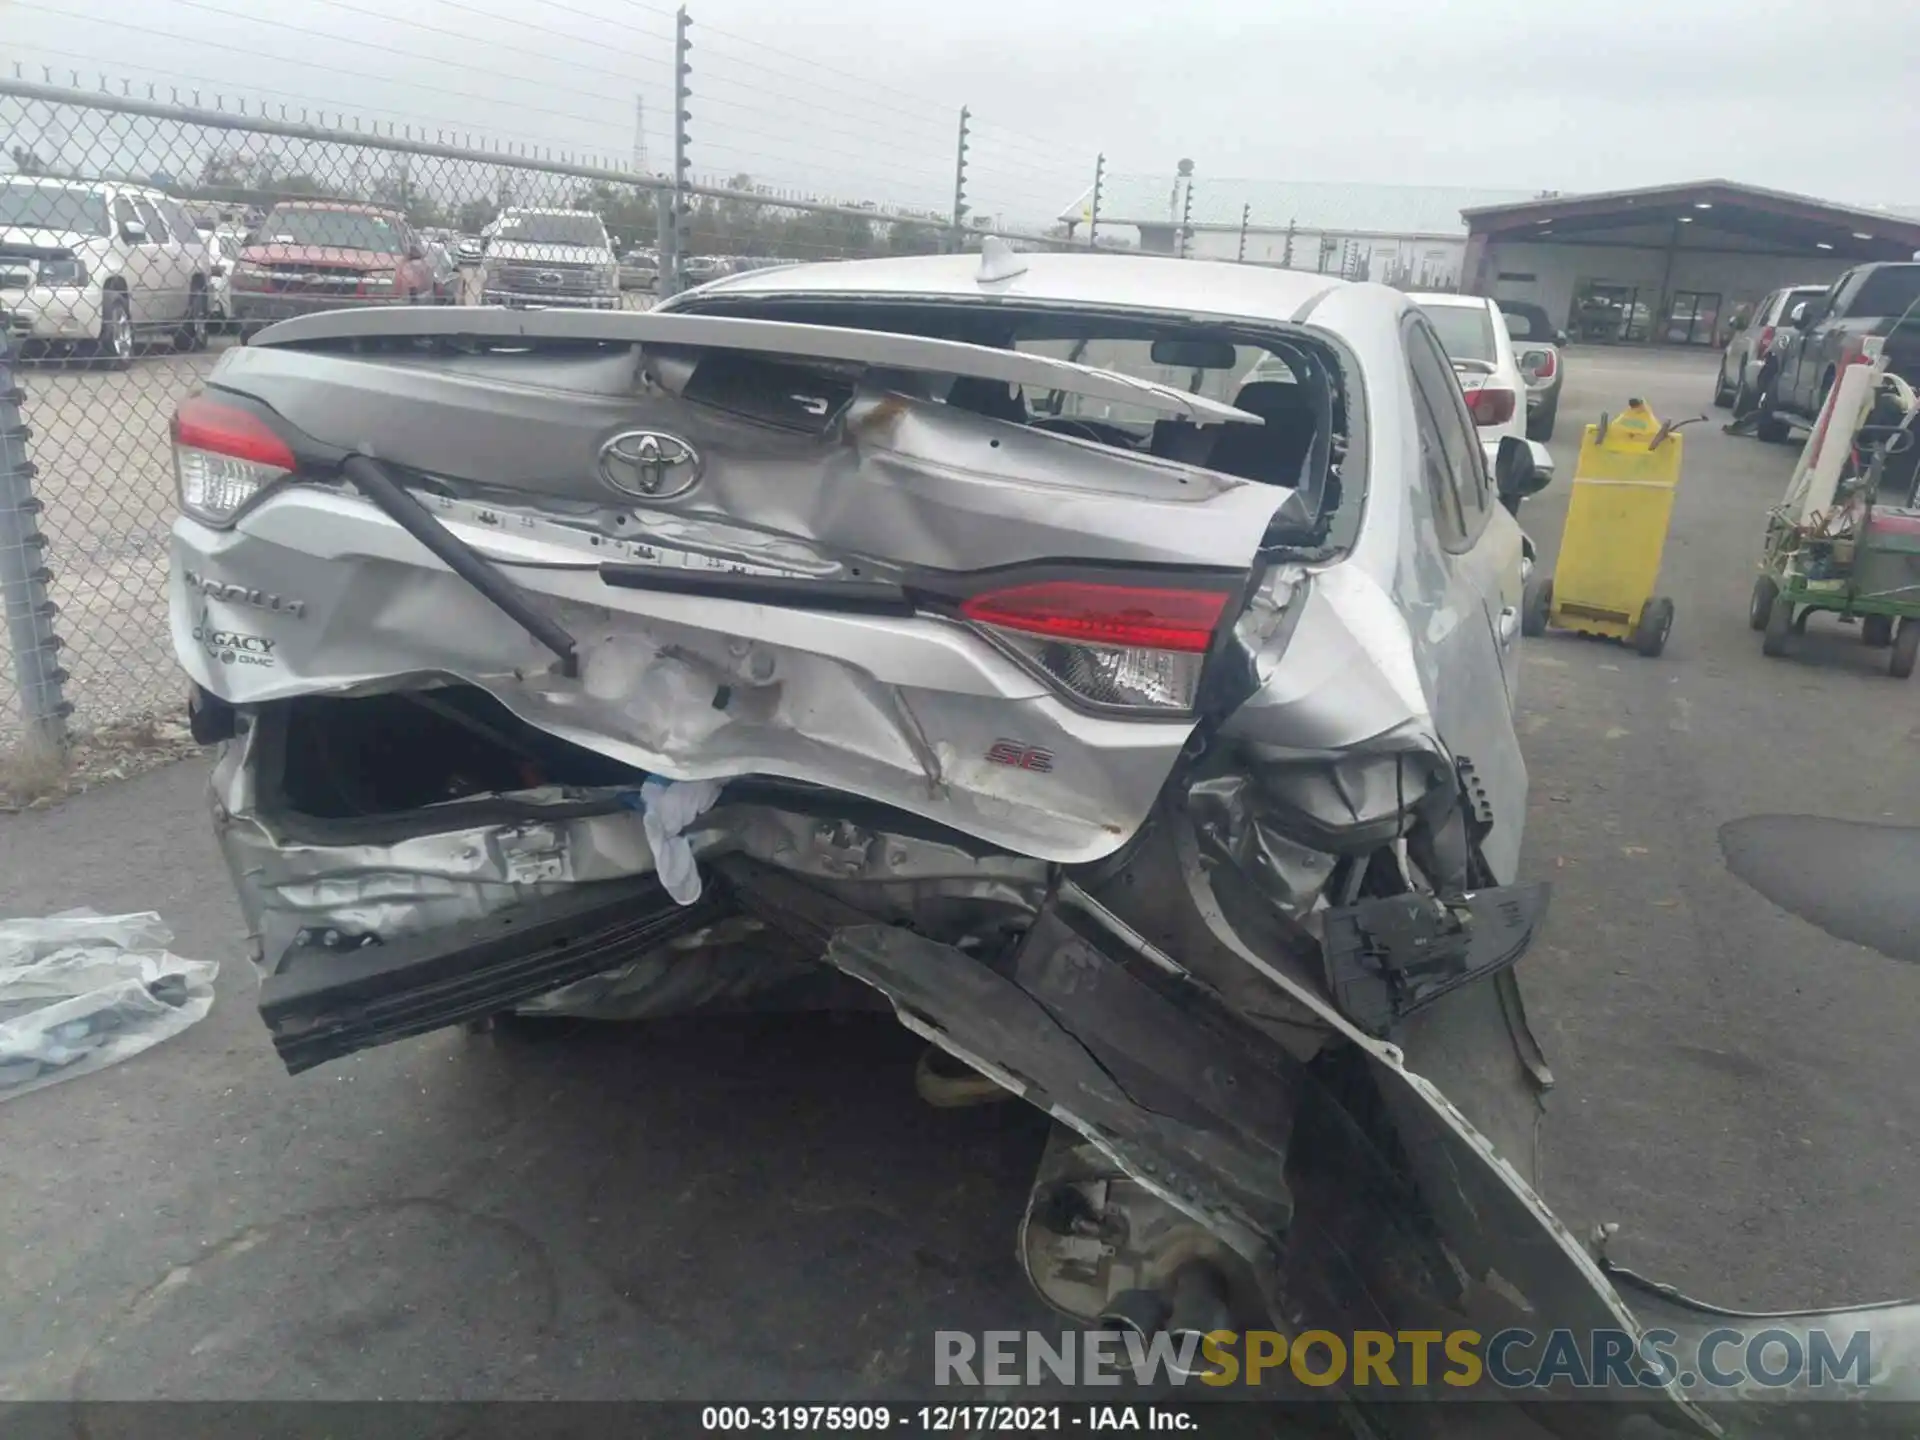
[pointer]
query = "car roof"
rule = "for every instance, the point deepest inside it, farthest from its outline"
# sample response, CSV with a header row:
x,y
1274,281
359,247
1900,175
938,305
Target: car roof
x,y
353,206
544,210
62,182
1144,282
1441,297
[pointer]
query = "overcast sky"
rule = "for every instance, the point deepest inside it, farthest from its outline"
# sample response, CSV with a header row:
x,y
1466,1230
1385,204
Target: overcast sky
x,y
861,97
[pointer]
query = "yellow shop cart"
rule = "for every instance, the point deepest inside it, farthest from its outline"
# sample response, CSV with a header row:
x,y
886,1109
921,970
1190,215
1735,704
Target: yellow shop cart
x,y
1616,530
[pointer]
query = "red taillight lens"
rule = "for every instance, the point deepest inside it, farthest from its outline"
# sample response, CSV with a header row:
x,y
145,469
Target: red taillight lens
x,y
1490,405
1120,646
1763,343
1548,363
1123,615
223,456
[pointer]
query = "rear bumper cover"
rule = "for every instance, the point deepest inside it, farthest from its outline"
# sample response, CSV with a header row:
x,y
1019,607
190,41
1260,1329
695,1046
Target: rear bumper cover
x,y
328,995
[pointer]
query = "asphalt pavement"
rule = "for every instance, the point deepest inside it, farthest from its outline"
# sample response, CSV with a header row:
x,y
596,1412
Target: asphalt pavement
x,y
763,1208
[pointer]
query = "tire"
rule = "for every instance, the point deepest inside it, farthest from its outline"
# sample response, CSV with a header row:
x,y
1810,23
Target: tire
x,y
1723,393
1876,631
1656,624
114,349
1779,625
1768,425
1540,425
1536,607
1761,605
191,337
1906,647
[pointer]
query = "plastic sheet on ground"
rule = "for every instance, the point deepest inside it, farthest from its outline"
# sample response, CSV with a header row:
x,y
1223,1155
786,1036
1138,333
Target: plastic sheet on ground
x,y
80,992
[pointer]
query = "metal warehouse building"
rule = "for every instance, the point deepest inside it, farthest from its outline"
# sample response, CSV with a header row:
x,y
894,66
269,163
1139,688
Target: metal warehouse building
x,y
1669,264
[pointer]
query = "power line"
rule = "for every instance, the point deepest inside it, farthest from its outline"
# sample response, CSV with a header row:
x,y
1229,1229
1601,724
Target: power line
x,y
119,24
405,54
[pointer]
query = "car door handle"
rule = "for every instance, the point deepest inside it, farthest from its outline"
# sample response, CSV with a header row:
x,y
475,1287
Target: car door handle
x,y
1509,625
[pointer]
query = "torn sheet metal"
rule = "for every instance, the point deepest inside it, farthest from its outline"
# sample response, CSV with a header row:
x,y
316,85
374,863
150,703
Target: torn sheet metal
x,y
80,992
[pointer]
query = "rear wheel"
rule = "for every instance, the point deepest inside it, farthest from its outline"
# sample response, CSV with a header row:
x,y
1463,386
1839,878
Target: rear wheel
x,y
114,349
192,334
1768,424
1540,423
1656,623
1876,630
1779,625
1536,606
1723,392
1761,605
1906,647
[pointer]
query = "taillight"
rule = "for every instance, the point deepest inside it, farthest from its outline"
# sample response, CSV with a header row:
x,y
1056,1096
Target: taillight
x,y
1490,405
1764,343
1549,362
223,457
1132,647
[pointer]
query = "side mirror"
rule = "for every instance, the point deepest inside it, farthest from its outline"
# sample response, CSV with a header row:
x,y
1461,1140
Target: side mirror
x,y
1797,317
1520,468
133,232
1560,338
416,251
1739,322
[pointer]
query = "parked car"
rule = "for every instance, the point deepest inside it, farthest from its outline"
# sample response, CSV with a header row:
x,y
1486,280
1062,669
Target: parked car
x,y
1475,337
639,270
550,257
314,255
698,269
99,266
225,244
1828,331
1752,340
1139,753
1537,343
446,270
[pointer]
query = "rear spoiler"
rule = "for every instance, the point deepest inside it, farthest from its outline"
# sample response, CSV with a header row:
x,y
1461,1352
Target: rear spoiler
x,y
876,348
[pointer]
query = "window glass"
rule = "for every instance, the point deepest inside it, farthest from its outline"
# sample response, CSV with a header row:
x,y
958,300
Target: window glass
x,y
150,217
1449,446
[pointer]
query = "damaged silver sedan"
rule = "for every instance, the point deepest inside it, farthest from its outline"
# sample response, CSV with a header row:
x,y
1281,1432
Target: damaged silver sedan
x,y
1109,663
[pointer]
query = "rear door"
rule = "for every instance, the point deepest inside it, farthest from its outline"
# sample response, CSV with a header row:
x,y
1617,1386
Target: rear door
x,y
1477,626
140,264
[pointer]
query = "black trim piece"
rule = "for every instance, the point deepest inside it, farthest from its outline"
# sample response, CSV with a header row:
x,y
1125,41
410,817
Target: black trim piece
x,y
321,1003
1391,957
851,597
372,480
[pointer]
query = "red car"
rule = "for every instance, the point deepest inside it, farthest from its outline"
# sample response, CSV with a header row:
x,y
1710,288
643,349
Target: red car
x,y
310,255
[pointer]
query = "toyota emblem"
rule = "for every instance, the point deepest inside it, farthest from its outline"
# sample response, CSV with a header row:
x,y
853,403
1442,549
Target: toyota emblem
x,y
548,277
649,465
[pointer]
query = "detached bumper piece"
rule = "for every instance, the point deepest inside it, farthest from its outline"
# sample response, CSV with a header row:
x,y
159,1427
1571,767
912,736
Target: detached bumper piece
x,y
1389,958
322,1002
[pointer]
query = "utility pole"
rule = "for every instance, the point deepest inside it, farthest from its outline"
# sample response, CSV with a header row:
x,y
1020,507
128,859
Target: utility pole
x,y
639,134
956,238
1093,211
676,215
1286,253
24,579
1246,211
1186,210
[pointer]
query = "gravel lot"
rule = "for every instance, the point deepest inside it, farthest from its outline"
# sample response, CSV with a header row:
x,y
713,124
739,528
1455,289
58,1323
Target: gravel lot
x,y
763,1208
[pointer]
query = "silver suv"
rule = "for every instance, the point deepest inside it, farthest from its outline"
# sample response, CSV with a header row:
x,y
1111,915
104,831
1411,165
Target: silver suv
x,y
98,265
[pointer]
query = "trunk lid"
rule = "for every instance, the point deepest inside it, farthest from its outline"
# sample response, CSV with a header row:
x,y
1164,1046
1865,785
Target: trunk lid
x,y
778,554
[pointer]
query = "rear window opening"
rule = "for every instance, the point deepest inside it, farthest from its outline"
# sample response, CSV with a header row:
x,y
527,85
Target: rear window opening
x,y
376,755
1294,384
